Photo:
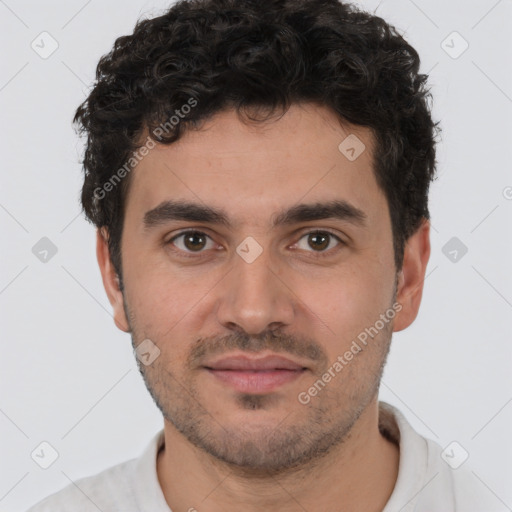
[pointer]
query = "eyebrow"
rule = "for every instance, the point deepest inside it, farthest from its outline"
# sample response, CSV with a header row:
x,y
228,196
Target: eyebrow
x,y
188,211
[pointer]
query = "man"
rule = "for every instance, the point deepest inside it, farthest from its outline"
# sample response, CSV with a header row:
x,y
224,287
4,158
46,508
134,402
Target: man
x,y
258,173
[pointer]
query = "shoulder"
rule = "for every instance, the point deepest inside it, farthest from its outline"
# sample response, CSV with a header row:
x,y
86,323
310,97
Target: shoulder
x,y
453,477
430,477
108,490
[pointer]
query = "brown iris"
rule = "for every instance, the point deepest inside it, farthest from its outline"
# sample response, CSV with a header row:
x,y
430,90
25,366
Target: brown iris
x,y
321,240
191,240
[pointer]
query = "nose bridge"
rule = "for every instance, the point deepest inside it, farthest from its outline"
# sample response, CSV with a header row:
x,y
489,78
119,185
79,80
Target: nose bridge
x,y
254,297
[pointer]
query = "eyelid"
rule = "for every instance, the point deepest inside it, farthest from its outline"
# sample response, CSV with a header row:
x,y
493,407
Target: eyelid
x,y
320,230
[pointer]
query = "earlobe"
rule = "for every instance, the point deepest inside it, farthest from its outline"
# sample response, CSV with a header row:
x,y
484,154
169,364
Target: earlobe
x,y
110,280
412,276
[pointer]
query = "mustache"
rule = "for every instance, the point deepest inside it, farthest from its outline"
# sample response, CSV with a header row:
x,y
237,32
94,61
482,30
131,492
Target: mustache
x,y
271,340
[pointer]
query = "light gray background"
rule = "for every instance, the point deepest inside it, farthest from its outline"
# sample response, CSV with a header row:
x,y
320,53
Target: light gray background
x,y
68,376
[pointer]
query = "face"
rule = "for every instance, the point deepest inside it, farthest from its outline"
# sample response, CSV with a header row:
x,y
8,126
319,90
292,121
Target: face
x,y
283,249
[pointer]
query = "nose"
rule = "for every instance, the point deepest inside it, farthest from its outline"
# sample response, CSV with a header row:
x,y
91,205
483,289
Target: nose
x,y
254,297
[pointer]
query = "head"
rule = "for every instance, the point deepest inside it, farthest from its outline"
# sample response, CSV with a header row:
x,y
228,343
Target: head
x,y
258,172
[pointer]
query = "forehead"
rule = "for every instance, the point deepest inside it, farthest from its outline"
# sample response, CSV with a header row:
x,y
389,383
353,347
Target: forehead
x,y
251,171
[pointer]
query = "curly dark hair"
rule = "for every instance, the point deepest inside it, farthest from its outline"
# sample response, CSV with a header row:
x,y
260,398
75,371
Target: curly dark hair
x,y
258,56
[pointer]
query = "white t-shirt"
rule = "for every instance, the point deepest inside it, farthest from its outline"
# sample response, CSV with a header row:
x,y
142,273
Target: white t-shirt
x,y
425,483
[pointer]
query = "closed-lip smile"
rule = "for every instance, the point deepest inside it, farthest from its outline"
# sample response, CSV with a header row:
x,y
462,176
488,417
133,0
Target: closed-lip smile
x,y
255,374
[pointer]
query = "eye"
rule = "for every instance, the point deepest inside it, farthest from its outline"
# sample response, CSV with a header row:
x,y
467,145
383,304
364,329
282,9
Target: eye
x,y
191,241
318,240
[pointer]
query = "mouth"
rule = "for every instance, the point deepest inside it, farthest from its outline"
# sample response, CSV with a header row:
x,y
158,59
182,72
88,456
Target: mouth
x,y
255,375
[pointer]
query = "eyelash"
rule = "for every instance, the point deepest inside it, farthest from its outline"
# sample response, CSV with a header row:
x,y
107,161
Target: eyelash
x,y
318,254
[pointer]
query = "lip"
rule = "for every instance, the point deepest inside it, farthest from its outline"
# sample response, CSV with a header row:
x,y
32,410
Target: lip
x,y
255,375
270,362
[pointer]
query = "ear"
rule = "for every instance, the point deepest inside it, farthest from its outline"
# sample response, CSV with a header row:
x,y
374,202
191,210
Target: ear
x,y
412,276
110,280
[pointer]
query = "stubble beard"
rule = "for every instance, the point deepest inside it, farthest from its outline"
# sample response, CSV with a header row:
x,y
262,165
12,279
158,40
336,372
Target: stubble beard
x,y
297,441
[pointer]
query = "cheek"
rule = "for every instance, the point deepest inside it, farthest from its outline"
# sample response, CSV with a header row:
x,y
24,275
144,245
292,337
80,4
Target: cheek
x,y
348,302
165,299
159,302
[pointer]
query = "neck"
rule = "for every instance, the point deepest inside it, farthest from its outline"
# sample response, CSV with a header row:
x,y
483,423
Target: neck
x,y
360,473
